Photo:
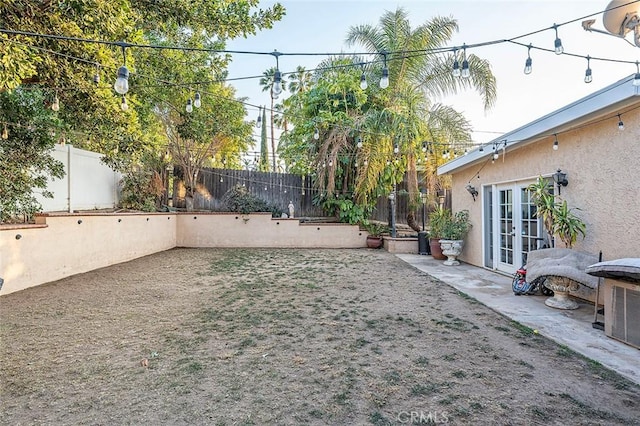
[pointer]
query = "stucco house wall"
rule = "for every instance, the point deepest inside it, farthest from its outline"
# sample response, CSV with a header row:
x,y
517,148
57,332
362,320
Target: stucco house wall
x,y
602,164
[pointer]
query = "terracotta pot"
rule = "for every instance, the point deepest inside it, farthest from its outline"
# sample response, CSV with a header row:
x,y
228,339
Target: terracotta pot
x,y
374,242
436,250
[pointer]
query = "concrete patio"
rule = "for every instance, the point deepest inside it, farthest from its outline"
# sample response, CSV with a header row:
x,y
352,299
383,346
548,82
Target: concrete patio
x,y
570,328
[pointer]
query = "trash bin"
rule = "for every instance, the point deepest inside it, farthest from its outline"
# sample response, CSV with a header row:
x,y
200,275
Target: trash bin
x,y
423,243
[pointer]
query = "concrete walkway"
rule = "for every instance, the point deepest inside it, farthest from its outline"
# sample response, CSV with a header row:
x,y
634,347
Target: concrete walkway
x,y
570,328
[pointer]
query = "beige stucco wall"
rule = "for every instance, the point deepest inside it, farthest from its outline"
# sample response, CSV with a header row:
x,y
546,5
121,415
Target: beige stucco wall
x,y
64,247
260,230
60,246
603,168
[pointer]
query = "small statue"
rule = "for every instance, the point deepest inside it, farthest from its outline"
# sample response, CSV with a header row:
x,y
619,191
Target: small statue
x,y
291,209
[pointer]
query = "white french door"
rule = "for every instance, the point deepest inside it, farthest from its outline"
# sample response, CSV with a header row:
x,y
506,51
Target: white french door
x,y
510,228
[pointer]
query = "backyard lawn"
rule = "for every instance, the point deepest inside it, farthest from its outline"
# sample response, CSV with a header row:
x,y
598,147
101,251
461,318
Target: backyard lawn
x,y
258,337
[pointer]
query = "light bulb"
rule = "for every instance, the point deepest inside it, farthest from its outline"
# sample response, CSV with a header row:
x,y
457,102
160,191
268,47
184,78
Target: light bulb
x,y
96,78
277,84
123,105
495,155
396,149
636,79
481,148
121,86
259,122
527,66
384,81
363,82
620,123
197,100
56,103
555,145
330,163
424,147
365,162
316,134
189,107
359,142
588,78
5,132
558,46
465,73
456,68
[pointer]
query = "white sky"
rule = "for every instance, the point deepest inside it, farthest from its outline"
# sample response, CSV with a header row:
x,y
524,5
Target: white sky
x,y
321,27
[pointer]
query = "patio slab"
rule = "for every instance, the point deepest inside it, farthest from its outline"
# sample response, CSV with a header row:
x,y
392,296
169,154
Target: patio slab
x,y
570,328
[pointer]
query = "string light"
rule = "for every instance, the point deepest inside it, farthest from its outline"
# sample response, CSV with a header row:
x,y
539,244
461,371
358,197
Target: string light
x,y
555,142
276,89
197,100
396,149
620,123
123,105
465,73
259,119
359,142
636,78
557,44
5,132
384,81
527,63
121,86
588,78
189,107
96,76
316,134
456,64
363,79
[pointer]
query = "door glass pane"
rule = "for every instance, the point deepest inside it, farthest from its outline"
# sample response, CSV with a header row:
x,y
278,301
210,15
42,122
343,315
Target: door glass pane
x,y
529,224
506,226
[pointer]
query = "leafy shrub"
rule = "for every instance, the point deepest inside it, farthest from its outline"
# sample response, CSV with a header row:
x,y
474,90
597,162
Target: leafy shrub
x,y
239,199
141,190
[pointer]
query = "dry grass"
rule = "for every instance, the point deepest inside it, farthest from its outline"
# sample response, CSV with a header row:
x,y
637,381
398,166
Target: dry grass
x,y
261,337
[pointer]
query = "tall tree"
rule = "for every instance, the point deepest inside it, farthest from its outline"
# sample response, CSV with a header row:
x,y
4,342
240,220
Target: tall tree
x,y
263,164
409,108
266,81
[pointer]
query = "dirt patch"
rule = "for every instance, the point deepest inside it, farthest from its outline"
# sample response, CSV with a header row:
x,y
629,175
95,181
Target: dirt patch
x,y
213,336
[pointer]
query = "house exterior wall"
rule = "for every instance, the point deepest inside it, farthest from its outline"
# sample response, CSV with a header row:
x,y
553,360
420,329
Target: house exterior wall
x,y
603,168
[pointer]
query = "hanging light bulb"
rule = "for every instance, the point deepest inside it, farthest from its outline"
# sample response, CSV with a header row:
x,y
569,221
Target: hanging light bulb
x,y
259,119
5,132
527,63
197,100
496,155
96,76
555,143
384,81
456,64
620,124
123,105
636,78
359,142
465,73
277,84
363,81
189,107
557,44
55,106
588,78
316,134
121,86
481,148
330,163
365,162
396,149
424,147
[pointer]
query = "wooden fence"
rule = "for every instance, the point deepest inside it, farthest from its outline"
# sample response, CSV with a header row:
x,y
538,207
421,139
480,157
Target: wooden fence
x,y
278,189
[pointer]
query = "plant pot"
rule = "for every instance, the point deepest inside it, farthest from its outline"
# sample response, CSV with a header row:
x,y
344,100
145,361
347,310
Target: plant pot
x,y
451,249
374,242
436,250
561,287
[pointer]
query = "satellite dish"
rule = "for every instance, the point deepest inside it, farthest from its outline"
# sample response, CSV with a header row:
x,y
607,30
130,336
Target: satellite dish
x,y
620,18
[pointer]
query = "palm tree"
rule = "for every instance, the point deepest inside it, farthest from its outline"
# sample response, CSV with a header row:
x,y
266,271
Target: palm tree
x,y
266,81
300,80
408,111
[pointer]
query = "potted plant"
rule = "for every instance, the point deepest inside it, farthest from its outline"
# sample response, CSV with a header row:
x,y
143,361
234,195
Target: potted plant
x,y
455,229
375,231
437,221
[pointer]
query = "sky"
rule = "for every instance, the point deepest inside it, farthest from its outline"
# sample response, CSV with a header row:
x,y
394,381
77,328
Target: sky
x,y
320,26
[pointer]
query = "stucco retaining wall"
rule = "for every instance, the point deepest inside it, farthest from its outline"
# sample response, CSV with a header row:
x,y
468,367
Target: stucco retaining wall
x,y
60,245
